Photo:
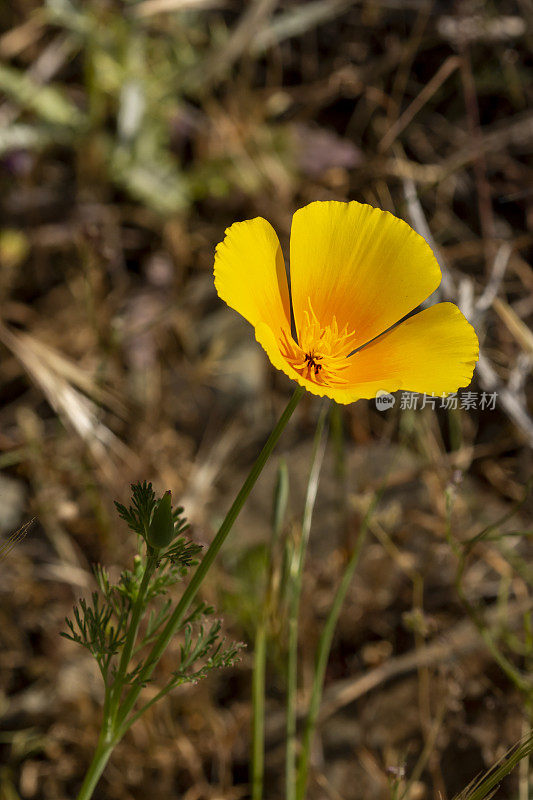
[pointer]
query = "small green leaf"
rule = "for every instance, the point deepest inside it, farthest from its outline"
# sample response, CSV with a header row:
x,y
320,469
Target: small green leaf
x,y
138,515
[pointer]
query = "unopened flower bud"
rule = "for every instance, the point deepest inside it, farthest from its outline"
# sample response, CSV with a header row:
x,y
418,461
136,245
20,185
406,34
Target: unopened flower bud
x,y
161,530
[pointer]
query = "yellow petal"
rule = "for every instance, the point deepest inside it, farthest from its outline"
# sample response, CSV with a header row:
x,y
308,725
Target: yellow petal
x,y
361,264
250,274
433,352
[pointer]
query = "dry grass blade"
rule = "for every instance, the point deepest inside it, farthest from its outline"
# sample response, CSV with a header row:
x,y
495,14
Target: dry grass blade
x,y
420,224
499,265
148,8
239,39
205,472
297,21
517,131
18,39
64,367
514,324
14,539
457,643
460,641
442,74
513,403
79,412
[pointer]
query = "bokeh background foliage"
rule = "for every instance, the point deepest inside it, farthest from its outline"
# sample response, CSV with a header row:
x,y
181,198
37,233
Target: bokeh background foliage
x,y
131,135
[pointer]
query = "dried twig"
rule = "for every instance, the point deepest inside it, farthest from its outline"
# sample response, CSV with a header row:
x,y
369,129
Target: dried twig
x,y
499,265
297,21
442,74
419,223
462,640
512,403
149,8
239,40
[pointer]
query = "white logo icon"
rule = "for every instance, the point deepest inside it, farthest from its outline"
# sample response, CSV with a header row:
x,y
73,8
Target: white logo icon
x,y
384,400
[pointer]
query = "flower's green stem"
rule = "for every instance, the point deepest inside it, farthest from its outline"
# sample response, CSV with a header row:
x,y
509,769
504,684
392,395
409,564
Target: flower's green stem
x,y
188,596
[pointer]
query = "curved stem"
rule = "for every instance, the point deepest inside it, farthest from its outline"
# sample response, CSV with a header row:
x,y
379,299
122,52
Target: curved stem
x,y
190,592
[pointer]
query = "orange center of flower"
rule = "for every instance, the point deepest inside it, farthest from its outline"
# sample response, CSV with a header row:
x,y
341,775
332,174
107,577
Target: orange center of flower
x,y
320,355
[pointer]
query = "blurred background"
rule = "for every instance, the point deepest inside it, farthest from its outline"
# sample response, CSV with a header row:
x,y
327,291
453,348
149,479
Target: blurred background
x,y
131,135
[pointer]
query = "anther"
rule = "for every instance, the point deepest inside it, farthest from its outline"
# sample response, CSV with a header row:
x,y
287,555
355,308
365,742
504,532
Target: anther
x,y
312,362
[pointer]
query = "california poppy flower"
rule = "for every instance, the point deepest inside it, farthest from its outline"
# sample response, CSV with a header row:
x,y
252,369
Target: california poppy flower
x,y
355,272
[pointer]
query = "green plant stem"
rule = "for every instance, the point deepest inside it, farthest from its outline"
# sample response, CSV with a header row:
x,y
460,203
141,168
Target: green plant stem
x,y
281,496
295,589
258,709
323,651
108,737
190,592
131,637
103,750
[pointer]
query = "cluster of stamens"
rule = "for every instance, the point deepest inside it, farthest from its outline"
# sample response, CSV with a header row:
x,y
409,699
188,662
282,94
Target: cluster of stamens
x,y
320,354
